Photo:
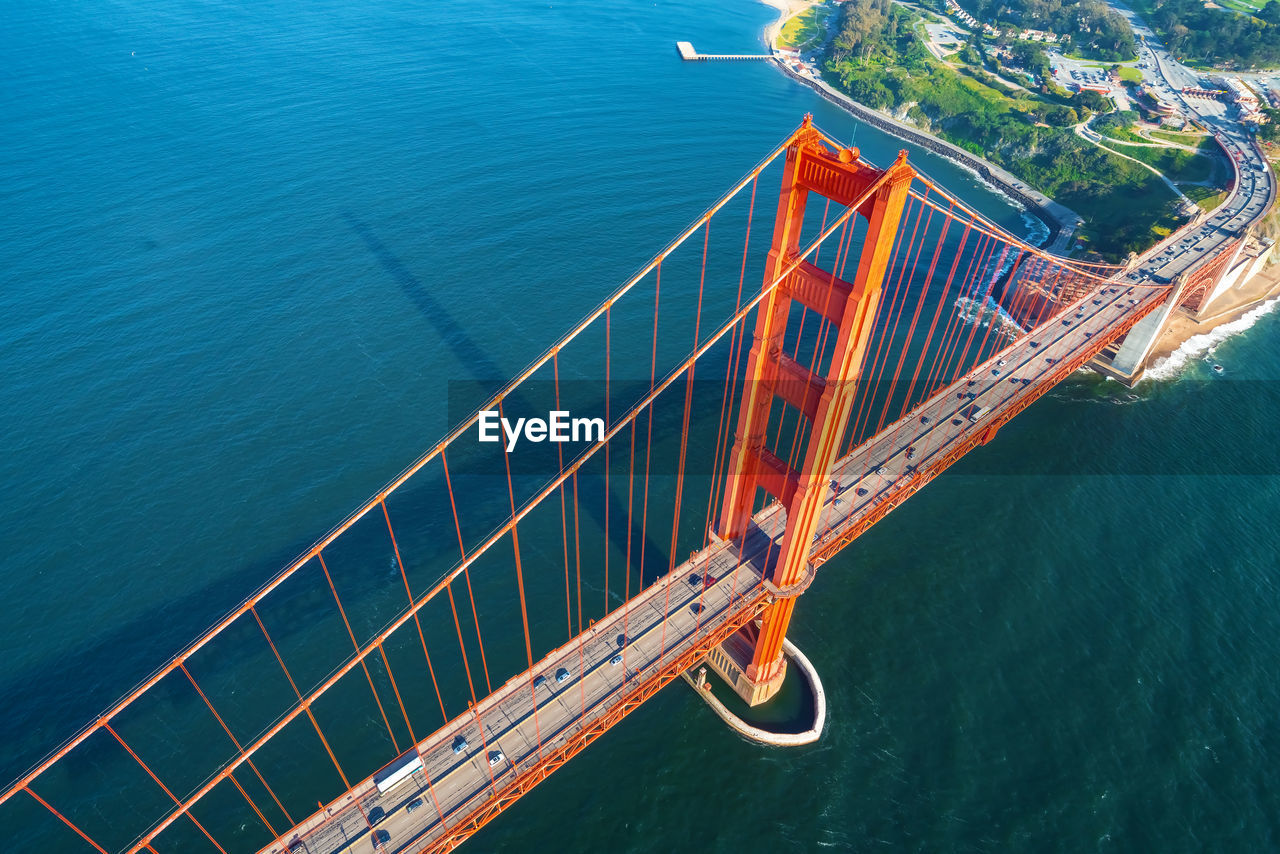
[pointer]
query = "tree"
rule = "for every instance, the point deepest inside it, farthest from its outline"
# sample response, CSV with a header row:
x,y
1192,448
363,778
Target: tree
x,y
1270,131
1061,116
1092,101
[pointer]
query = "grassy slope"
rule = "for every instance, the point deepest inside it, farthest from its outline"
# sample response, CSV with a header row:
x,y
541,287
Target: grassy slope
x,y
1177,165
1207,198
804,27
1124,206
1180,138
1123,135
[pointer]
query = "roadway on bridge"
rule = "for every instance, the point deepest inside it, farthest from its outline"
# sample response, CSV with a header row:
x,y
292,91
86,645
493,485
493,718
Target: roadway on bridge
x,y
889,464
871,475
505,723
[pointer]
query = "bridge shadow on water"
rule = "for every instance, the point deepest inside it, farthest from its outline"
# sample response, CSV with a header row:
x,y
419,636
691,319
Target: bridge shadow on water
x,y
487,377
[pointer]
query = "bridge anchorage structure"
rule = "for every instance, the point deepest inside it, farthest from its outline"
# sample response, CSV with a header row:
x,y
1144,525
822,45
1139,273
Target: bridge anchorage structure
x,y
494,610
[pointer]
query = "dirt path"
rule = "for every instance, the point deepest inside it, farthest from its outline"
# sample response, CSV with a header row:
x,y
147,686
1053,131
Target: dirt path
x,y
1089,135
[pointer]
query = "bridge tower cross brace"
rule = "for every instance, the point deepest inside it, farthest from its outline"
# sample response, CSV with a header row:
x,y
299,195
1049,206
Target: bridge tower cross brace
x,y
825,400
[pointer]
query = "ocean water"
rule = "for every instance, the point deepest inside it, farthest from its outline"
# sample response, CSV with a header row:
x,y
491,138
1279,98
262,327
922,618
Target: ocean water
x,y
246,248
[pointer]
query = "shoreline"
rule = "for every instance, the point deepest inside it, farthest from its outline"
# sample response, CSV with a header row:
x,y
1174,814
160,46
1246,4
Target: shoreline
x,y
1183,337
1060,221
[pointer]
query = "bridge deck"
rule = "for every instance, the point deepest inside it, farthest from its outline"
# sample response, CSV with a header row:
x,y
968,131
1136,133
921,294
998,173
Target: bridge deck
x,y
868,481
461,782
1004,384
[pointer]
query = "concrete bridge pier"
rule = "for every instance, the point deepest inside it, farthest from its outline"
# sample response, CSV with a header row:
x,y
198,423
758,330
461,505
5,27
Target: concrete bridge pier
x,y
802,666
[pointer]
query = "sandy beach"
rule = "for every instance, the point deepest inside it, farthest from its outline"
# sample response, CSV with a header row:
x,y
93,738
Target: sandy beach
x,y
1184,337
786,8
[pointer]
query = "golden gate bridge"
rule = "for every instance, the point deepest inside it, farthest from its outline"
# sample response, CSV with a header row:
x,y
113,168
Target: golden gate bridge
x,y
541,592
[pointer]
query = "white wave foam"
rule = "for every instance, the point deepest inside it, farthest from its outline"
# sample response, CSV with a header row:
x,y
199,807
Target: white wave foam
x,y
1204,345
1037,231
983,313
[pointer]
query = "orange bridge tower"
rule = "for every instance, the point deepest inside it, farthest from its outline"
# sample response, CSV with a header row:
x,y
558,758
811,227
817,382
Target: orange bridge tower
x,y
752,660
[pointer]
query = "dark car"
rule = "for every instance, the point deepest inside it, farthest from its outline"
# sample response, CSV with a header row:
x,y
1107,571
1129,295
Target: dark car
x,y
695,580
376,814
539,681
380,838
413,805
696,607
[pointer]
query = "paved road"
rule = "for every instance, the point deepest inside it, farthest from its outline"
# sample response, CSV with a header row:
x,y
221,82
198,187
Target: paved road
x,y
1255,187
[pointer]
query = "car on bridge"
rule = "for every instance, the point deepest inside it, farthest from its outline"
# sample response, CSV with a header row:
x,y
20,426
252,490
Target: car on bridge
x,y
496,756
459,745
380,839
413,805
562,675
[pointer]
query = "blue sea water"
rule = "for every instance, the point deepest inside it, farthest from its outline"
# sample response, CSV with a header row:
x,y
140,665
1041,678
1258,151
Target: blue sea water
x,y
246,247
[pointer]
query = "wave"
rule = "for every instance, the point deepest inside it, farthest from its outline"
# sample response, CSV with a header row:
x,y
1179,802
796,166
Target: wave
x,y
983,312
1037,232
1171,366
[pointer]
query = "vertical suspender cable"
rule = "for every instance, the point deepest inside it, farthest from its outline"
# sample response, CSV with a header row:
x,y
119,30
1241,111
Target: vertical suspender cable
x,y
356,645
466,574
